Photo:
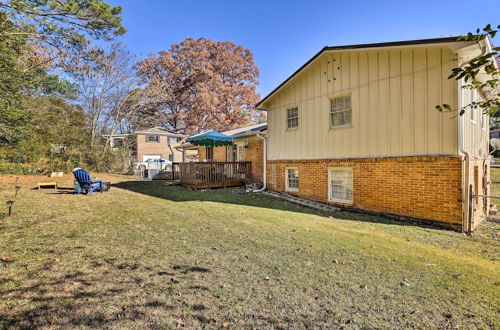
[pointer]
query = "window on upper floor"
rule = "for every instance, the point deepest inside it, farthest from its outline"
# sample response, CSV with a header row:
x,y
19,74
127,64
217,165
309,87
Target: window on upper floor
x,y
117,142
174,139
473,109
292,118
340,111
152,138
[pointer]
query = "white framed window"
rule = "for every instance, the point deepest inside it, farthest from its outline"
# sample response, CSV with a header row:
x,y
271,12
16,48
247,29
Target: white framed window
x,y
484,121
340,111
291,179
340,185
292,118
473,110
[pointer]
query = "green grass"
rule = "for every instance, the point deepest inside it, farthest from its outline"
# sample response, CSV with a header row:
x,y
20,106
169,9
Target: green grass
x,y
147,255
495,186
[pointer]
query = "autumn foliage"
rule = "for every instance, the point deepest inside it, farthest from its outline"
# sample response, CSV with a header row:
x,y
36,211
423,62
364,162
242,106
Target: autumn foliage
x,y
199,85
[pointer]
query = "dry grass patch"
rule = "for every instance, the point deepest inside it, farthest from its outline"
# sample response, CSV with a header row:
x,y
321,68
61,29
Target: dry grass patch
x,y
146,255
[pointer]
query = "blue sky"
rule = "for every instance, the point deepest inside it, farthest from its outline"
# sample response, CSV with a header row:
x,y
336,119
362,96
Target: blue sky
x,y
284,34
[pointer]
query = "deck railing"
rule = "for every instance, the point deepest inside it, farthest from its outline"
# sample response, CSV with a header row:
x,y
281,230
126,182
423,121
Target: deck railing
x,y
215,174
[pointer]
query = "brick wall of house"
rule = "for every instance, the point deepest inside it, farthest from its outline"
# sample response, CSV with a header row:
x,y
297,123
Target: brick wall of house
x,y
219,154
419,187
479,175
254,154
156,148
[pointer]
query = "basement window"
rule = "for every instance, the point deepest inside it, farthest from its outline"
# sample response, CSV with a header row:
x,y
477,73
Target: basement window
x,y
292,179
340,185
292,118
340,111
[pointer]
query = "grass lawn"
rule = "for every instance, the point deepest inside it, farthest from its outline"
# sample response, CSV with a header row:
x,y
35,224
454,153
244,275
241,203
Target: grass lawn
x,y
147,255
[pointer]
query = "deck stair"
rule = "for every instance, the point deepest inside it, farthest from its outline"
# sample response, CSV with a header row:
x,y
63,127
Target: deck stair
x,y
302,201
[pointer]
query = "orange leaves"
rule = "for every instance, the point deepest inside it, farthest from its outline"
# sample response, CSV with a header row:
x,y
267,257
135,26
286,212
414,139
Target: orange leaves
x,y
200,84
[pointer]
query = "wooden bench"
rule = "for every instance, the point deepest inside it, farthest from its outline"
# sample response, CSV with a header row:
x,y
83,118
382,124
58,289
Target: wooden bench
x,y
47,184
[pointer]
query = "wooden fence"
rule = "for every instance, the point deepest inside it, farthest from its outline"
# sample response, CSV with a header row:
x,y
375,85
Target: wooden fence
x,y
214,174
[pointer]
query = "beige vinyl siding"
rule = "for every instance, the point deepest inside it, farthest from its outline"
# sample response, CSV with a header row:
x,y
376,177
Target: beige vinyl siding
x,y
394,93
476,139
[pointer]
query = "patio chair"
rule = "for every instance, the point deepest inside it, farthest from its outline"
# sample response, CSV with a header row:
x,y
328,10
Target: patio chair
x,y
85,182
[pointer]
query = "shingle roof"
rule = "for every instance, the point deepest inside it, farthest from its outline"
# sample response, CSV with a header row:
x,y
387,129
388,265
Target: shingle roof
x,y
251,128
158,131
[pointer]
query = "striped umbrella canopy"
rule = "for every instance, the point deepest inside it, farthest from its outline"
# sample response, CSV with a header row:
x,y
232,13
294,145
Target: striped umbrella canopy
x,y
210,139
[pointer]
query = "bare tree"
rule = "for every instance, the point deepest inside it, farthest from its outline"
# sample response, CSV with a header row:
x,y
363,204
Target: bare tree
x,y
107,91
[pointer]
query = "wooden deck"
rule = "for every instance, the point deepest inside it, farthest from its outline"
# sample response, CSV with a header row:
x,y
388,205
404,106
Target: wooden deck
x,y
214,174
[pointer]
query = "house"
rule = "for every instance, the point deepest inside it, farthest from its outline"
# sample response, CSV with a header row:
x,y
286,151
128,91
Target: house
x,y
247,147
156,143
356,126
495,133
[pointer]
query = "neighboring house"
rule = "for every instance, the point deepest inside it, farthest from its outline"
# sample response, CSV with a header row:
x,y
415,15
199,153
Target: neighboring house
x,y
156,143
495,133
248,146
356,126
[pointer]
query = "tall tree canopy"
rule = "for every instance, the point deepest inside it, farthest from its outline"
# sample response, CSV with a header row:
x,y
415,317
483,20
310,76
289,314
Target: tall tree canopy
x,y
198,85
23,74
63,25
37,38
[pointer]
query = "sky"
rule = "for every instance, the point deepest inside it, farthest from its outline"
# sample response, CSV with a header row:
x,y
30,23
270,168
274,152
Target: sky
x,y
283,35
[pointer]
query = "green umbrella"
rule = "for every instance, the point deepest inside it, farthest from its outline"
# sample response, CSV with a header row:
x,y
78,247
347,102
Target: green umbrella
x,y
210,139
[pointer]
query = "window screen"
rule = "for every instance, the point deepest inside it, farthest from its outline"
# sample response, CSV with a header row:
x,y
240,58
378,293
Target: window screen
x,y
292,118
340,111
292,179
341,185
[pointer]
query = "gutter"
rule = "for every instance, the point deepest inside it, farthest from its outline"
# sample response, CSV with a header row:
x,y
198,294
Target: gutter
x,y
264,160
467,209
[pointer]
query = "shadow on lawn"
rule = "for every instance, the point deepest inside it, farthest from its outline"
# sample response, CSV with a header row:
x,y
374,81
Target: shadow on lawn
x,y
229,196
100,294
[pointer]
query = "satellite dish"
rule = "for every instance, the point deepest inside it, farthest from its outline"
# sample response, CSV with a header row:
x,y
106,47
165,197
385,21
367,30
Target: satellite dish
x,y
495,144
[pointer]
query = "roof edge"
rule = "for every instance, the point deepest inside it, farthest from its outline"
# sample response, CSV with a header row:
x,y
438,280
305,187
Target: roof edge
x,y
354,47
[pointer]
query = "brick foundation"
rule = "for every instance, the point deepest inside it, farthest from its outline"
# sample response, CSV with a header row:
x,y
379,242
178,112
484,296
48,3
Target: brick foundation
x,y
479,173
419,187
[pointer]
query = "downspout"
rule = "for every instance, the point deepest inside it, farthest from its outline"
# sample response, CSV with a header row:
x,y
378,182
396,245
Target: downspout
x,y
264,159
467,216
467,221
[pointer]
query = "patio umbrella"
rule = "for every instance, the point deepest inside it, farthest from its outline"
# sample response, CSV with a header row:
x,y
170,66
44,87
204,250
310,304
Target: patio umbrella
x,y
210,139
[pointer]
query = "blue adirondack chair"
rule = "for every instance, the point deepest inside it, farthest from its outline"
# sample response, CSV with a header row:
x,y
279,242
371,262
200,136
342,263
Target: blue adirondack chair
x,y
86,183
